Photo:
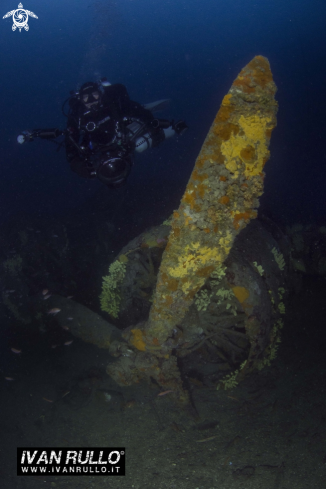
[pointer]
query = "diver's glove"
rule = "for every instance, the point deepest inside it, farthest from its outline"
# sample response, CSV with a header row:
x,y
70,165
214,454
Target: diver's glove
x,y
180,127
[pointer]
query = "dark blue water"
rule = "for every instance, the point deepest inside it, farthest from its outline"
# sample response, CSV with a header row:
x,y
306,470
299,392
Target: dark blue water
x,y
188,51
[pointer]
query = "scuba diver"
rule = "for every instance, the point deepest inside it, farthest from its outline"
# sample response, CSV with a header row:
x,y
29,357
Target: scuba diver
x,y
105,128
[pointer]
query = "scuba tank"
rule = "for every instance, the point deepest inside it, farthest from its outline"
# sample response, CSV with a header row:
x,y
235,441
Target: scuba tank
x,y
145,141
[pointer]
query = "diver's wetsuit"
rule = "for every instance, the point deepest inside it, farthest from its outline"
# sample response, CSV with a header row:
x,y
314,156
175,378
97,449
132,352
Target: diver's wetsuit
x,y
101,136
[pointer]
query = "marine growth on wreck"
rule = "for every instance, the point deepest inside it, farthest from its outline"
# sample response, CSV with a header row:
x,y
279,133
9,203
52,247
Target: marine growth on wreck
x,y
221,196
219,201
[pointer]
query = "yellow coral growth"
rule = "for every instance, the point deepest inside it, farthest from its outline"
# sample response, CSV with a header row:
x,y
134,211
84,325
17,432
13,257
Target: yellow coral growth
x,y
241,293
193,256
137,339
249,147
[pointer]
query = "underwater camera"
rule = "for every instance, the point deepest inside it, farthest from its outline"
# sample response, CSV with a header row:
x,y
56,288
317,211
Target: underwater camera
x,y
113,171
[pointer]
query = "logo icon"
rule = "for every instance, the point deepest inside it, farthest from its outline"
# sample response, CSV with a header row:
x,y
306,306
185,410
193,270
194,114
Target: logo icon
x,y
20,18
